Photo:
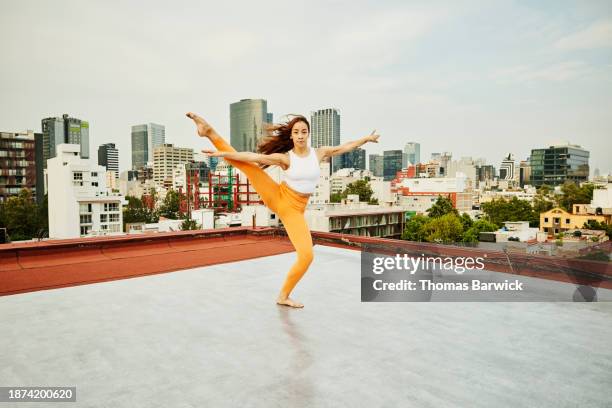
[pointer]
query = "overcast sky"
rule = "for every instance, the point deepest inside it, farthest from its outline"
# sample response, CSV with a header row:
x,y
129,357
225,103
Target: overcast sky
x,y
476,78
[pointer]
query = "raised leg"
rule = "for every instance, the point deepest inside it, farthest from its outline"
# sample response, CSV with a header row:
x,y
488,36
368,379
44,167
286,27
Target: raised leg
x,y
263,184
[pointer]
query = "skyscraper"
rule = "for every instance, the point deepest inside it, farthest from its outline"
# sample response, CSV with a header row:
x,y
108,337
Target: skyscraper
x,y
413,151
376,165
392,163
325,131
247,118
355,159
145,138
58,130
557,164
108,156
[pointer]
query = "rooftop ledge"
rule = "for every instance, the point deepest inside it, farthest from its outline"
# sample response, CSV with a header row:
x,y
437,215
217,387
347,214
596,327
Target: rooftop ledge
x,y
32,266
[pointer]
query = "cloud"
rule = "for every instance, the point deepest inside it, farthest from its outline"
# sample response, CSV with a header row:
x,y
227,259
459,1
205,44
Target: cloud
x,y
597,35
561,71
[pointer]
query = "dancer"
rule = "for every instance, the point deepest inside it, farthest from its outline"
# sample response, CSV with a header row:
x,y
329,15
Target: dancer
x,y
285,145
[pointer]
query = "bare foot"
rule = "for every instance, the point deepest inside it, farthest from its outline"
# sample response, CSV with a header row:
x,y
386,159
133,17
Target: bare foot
x,y
203,127
288,302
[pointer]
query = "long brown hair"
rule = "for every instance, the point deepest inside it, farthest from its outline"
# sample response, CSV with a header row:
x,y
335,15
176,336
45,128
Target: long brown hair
x,y
277,137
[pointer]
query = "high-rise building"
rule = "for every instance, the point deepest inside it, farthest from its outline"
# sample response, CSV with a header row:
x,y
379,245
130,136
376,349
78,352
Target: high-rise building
x,y
165,158
557,164
392,163
485,172
325,131
355,159
108,156
145,138
376,165
413,152
525,173
18,167
247,119
58,130
507,169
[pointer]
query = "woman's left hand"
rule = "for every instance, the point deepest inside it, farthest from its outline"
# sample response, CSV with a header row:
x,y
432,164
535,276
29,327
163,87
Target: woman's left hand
x,y
373,137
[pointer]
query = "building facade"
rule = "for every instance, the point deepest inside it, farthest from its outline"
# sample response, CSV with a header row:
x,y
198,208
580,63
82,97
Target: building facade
x,y
413,152
557,164
247,120
79,202
165,158
392,163
108,156
65,129
145,138
18,165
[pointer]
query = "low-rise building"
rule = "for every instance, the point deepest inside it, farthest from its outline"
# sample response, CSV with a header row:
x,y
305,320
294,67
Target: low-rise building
x,y
558,220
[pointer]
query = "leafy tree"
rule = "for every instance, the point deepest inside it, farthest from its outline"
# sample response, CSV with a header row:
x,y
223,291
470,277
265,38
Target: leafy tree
x,y
473,233
466,220
21,217
573,194
359,187
600,226
137,211
190,225
444,229
500,210
170,208
442,206
413,230
335,197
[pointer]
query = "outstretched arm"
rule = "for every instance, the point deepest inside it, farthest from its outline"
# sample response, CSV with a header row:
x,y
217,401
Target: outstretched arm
x,y
330,151
274,159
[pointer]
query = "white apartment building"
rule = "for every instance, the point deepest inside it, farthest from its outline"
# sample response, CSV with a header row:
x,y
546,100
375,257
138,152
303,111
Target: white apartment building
x,y
79,201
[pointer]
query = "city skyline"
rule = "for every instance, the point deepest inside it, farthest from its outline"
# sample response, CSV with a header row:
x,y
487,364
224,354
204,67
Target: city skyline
x,y
476,79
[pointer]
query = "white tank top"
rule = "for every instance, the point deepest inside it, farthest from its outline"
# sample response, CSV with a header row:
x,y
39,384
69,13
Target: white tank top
x,y
303,172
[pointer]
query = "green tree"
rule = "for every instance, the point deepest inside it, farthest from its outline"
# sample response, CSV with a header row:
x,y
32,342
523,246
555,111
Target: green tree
x,y
190,225
473,233
466,220
170,208
335,197
600,226
413,230
359,187
442,206
445,229
21,217
500,210
573,194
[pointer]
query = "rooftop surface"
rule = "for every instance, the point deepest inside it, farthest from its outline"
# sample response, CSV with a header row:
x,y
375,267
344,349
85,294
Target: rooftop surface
x,y
213,336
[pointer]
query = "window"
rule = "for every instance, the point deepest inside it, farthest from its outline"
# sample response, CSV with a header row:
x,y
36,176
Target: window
x,y
85,218
103,217
77,175
94,184
94,174
111,207
545,219
114,217
84,208
567,221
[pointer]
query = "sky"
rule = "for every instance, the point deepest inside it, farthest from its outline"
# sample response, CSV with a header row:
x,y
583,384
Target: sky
x,y
474,78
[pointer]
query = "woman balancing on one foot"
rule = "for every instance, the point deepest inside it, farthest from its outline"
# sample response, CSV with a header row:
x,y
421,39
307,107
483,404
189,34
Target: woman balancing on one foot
x,y
285,145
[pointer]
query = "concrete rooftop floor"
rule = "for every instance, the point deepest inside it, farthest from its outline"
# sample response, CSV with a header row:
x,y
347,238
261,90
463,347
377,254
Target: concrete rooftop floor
x,y
213,336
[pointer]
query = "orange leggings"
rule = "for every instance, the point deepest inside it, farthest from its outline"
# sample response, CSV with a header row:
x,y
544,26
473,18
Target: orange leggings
x,y
287,204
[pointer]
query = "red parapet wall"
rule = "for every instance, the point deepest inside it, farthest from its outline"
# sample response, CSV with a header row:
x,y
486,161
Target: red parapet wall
x,y
32,266
27,267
